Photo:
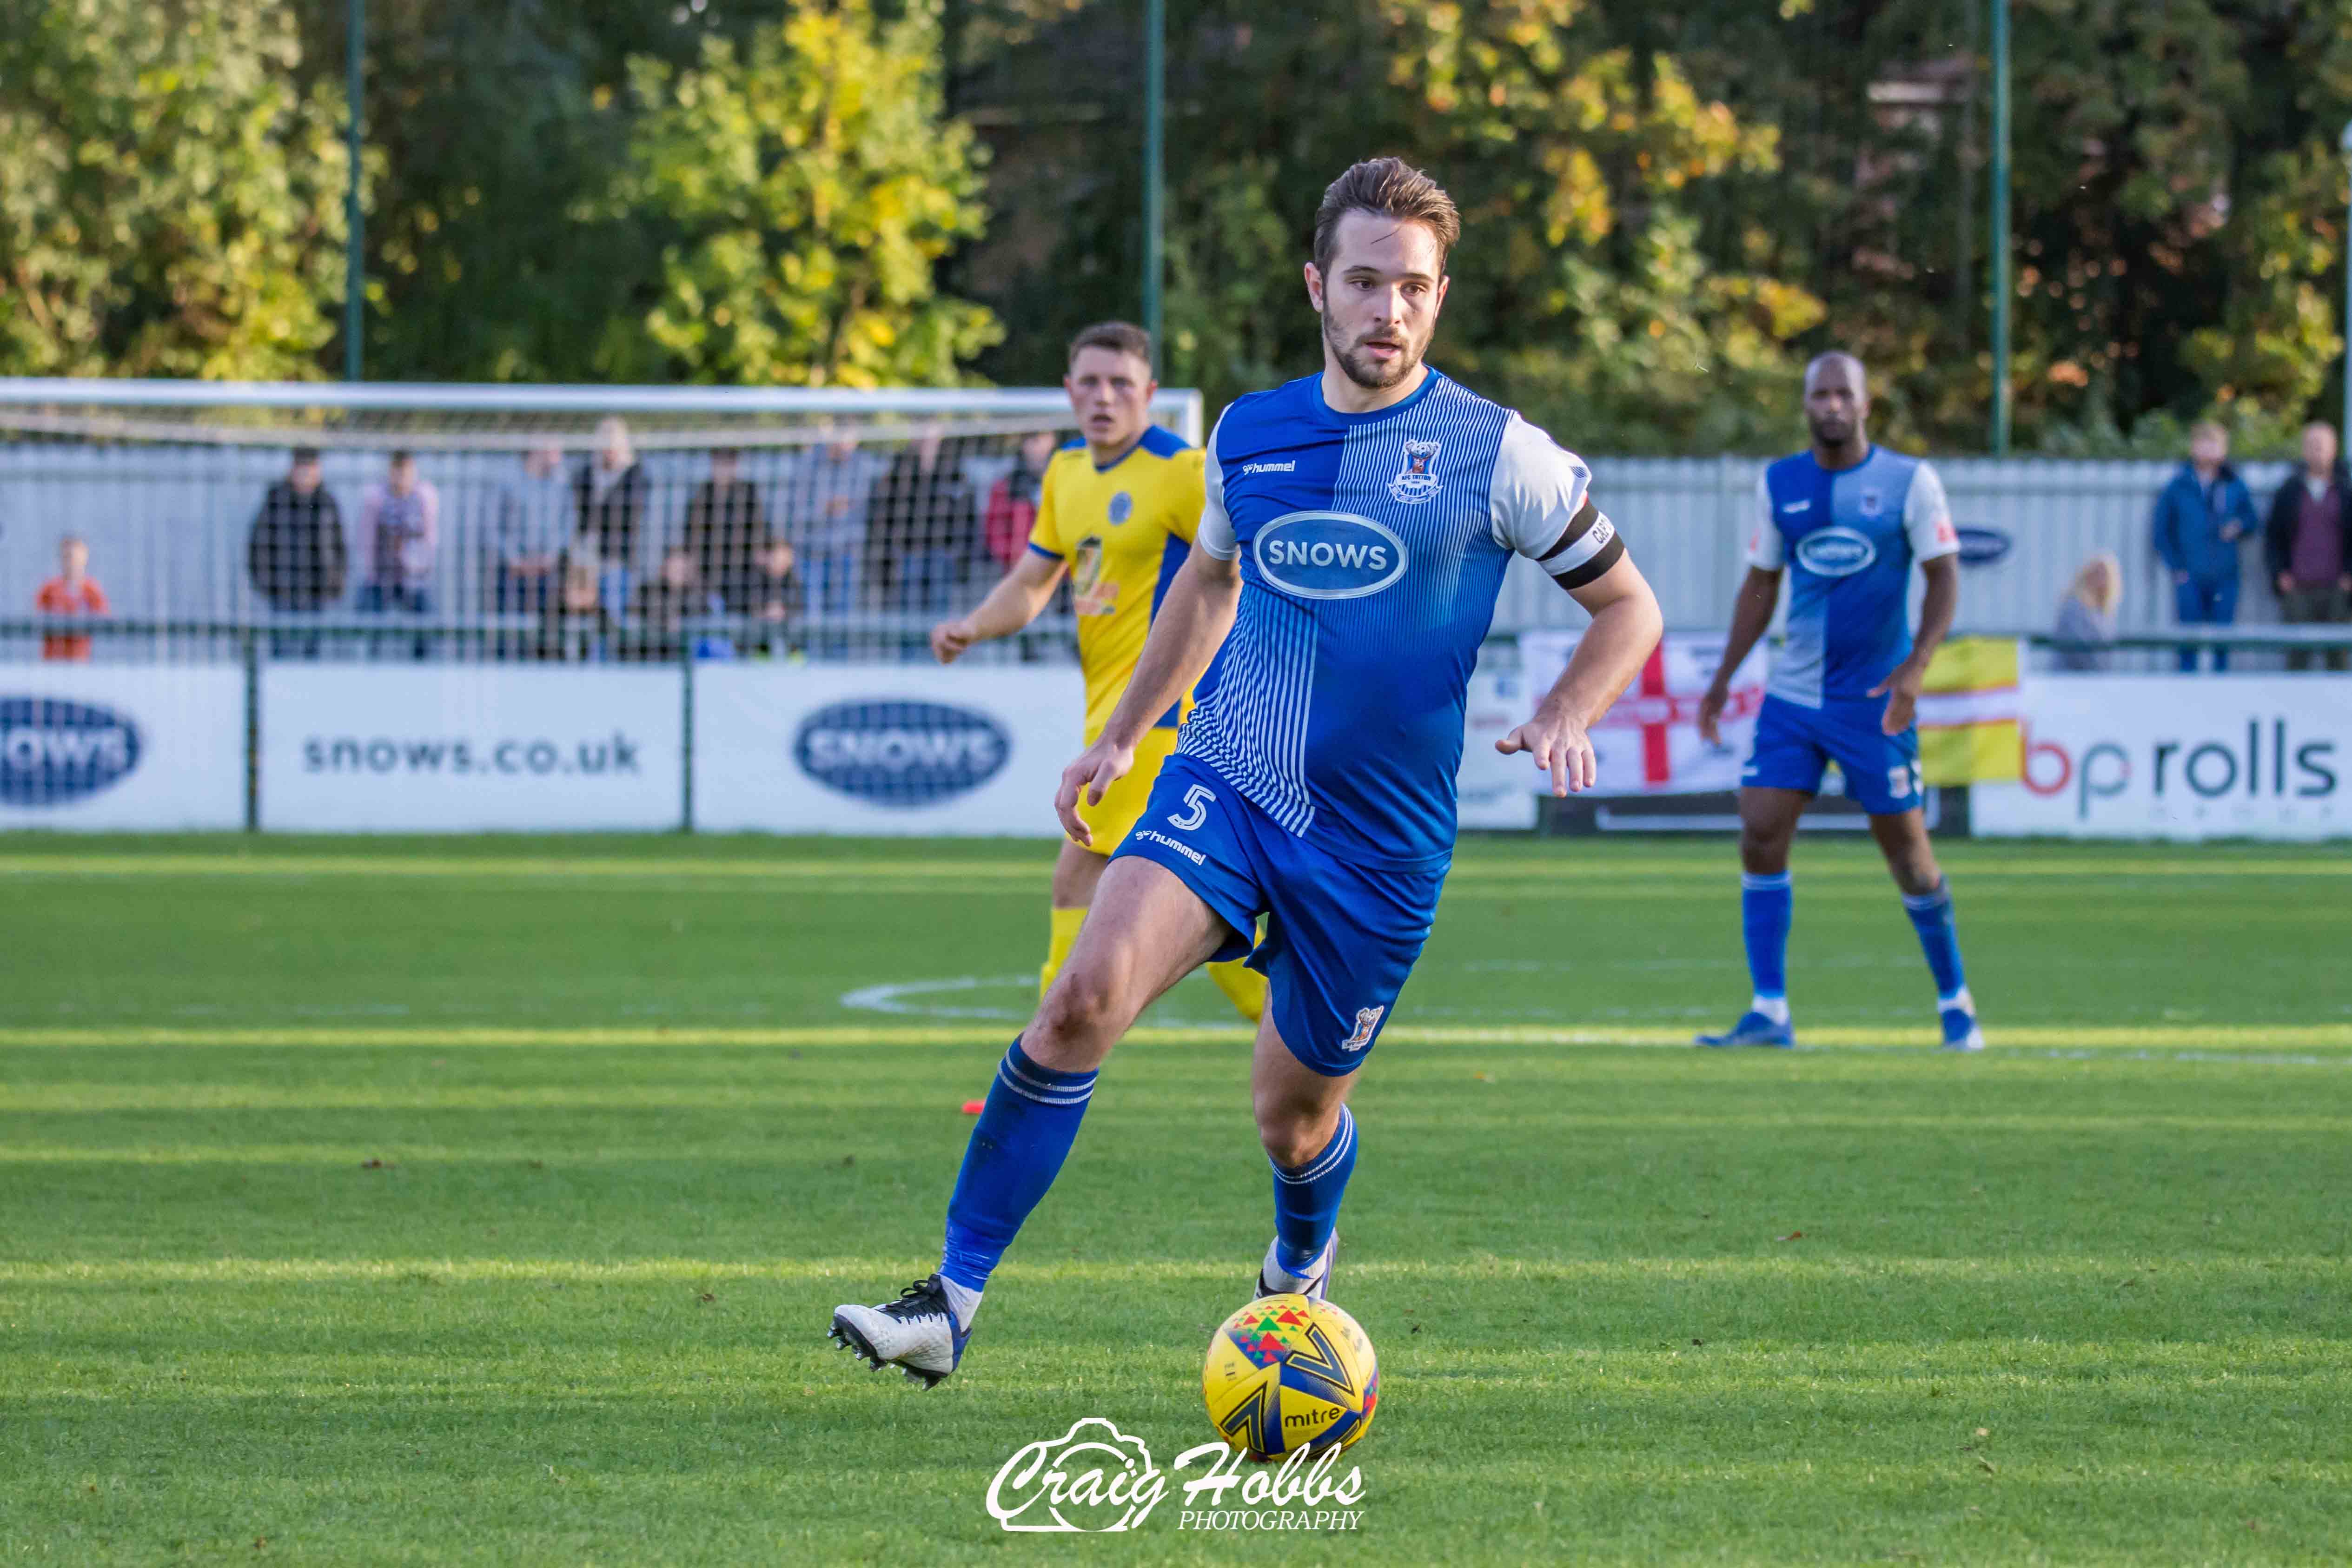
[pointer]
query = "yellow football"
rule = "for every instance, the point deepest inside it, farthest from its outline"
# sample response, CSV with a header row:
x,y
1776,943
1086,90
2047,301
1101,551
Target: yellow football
x,y
1287,1372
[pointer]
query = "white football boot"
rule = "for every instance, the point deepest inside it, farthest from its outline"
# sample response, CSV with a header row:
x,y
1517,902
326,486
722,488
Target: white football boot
x,y
918,1333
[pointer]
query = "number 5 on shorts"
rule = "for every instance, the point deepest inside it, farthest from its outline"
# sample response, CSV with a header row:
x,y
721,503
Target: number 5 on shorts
x,y
1196,808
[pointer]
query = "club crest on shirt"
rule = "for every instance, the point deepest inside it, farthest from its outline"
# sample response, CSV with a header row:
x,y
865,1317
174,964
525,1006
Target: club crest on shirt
x,y
1122,506
1414,483
1871,502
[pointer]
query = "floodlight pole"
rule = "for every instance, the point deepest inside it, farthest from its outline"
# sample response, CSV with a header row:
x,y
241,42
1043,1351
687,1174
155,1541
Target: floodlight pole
x,y
2002,288
1155,70
354,236
2346,428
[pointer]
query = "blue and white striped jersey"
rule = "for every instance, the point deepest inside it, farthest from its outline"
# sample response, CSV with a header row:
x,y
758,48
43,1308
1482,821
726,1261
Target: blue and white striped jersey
x,y
1372,546
1848,539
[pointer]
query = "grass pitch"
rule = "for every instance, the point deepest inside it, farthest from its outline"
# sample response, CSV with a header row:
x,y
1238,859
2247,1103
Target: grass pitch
x,y
483,1201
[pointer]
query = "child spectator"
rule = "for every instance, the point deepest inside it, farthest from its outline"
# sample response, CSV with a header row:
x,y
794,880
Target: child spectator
x,y
73,591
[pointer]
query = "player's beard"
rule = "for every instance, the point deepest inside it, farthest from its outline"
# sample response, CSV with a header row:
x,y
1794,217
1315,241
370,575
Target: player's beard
x,y
1367,373
1829,431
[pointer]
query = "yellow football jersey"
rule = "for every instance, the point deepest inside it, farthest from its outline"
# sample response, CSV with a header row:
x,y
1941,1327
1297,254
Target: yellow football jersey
x,y
1124,530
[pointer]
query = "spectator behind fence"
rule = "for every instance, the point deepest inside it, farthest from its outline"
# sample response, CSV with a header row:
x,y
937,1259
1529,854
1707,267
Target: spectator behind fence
x,y
926,529
2200,516
527,532
773,591
575,627
1011,508
297,556
664,603
726,519
400,536
612,498
72,592
2086,616
826,496
2308,544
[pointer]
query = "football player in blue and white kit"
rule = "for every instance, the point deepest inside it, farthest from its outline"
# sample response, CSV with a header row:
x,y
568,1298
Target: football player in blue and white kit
x,y
1846,520
1355,532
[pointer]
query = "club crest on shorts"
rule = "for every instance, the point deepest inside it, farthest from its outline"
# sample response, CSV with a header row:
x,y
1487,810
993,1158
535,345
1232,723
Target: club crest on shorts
x,y
1367,1020
1414,483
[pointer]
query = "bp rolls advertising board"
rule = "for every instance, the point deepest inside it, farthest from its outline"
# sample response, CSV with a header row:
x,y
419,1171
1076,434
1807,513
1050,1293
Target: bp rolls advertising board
x,y
460,748
121,746
2188,757
883,749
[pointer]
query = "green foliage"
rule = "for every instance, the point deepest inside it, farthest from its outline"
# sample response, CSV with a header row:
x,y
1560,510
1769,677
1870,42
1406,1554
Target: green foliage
x,y
1582,289
171,202
813,189
1599,309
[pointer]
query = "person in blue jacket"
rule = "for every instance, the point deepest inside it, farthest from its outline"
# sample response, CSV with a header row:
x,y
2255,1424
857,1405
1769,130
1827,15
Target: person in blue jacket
x,y
2200,514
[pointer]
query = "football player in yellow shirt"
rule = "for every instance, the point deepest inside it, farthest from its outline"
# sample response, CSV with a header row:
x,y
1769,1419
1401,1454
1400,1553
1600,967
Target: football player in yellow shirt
x,y
1116,513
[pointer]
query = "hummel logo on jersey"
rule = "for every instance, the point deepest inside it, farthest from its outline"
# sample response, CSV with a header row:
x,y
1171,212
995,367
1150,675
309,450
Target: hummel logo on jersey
x,y
1414,483
1367,1020
1290,467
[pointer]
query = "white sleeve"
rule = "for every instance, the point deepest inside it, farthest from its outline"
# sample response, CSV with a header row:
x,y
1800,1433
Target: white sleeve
x,y
1765,548
1538,487
1540,506
1216,533
1928,517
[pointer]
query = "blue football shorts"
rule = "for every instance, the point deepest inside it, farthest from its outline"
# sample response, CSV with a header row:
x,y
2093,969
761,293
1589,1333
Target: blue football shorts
x,y
1341,937
1794,745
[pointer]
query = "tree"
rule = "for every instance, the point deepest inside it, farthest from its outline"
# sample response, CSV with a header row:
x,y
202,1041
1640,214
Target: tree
x,y
813,186
170,204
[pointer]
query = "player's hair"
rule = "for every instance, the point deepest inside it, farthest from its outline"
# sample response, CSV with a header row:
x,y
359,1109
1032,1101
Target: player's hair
x,y
2208,427
1118,337
399,456
305,455
1390,188
65,540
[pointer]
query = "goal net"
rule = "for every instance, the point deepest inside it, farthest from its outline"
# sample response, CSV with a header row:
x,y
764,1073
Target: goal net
x,y
494,522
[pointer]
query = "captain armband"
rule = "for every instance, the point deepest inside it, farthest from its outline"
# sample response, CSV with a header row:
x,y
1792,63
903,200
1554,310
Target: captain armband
x,y
1586,550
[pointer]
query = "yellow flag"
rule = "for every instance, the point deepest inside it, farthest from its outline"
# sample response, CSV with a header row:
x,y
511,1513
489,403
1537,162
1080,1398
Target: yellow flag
x,y
1968,711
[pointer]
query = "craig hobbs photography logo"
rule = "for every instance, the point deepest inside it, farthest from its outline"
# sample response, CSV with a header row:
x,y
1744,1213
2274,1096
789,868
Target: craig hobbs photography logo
x,y
1095,1479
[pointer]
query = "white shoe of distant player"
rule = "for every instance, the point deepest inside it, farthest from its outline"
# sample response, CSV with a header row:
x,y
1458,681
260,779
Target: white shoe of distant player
x,y
1273,1280
1961,1031
918,1333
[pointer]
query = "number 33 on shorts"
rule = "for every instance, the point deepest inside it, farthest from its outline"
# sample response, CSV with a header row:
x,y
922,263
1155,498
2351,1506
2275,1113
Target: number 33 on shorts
x,y
1196,808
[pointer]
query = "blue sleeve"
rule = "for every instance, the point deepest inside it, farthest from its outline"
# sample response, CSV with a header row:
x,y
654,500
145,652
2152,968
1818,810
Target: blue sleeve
x,y
2167,548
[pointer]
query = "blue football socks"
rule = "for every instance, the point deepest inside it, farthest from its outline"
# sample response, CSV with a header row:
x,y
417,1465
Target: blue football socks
x,y
1939,939
1766,906
1306,1199
1023,1135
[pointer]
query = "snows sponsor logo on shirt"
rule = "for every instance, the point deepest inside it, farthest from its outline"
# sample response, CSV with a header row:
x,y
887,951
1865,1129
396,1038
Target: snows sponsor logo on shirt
x,y
1835,552
1328,555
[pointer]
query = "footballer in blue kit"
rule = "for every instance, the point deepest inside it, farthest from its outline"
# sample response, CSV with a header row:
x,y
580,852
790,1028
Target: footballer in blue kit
x,y
1356,528
1845,521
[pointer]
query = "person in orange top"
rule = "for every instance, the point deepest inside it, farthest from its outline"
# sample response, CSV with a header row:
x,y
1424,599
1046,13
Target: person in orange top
x,y
73,591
